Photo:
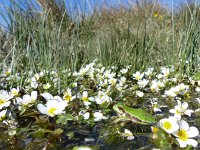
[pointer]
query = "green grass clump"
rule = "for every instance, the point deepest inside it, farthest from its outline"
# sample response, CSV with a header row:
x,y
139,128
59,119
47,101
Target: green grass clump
x,y
144,34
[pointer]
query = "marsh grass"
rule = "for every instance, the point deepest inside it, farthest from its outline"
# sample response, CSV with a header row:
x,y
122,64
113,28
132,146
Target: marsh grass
x,y
43,35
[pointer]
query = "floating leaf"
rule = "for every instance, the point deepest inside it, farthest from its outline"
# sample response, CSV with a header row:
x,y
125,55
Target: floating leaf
x,y
70,135
63,119
40,133
58,131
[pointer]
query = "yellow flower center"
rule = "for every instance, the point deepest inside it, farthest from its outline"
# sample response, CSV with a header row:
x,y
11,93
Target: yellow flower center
x,y
167,125
2,117
2,101
7,73
137,77
67,97
178,112
154,129
85,99
113,82
15,93
182,134
52,110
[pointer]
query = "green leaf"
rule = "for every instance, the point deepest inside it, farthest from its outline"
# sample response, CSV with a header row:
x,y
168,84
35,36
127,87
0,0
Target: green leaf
x,y
63,119
70,135
69,117
40,133
58,131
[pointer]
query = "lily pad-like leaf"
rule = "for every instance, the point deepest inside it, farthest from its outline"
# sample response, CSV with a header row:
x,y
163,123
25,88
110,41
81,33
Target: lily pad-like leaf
x,y
70,135
58,131
63,119
40,133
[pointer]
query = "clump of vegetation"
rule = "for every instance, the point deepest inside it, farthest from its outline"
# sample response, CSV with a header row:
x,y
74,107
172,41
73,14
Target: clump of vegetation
x,y
143,34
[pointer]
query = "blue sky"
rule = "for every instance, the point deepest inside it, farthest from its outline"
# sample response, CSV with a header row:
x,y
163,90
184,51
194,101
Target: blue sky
x,y
87,5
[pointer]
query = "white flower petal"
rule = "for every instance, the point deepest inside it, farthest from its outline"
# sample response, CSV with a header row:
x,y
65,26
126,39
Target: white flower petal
x,y
19,101
193,131
34,95
179,103
189,112
172,111
130,137
175,133
52,103
42,108
184,125
192,142
26,99
58,98
85,94
185,105
178,116
47,96
86,115
177,107
181,143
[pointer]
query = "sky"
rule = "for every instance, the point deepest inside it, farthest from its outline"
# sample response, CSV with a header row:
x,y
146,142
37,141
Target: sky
x,y
87,6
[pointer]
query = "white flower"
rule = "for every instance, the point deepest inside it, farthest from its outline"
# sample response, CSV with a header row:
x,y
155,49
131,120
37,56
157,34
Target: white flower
x,y
181,109
12,126
85,114
37,76
99,116
102,97
197,89
156,107
166,72
142,83
198,82
122,81
185,133
49,97
14,91
26,99
182,87
139,93
169,125
198,100
138,75
128,134
109,74
112,81
172,92
2,114
52,107
156,85
86,99
149,72
68,95
160,76
4,98
34,84
124,71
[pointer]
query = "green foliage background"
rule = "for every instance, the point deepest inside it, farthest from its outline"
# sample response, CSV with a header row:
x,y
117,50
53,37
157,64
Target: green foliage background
x,y
145,34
